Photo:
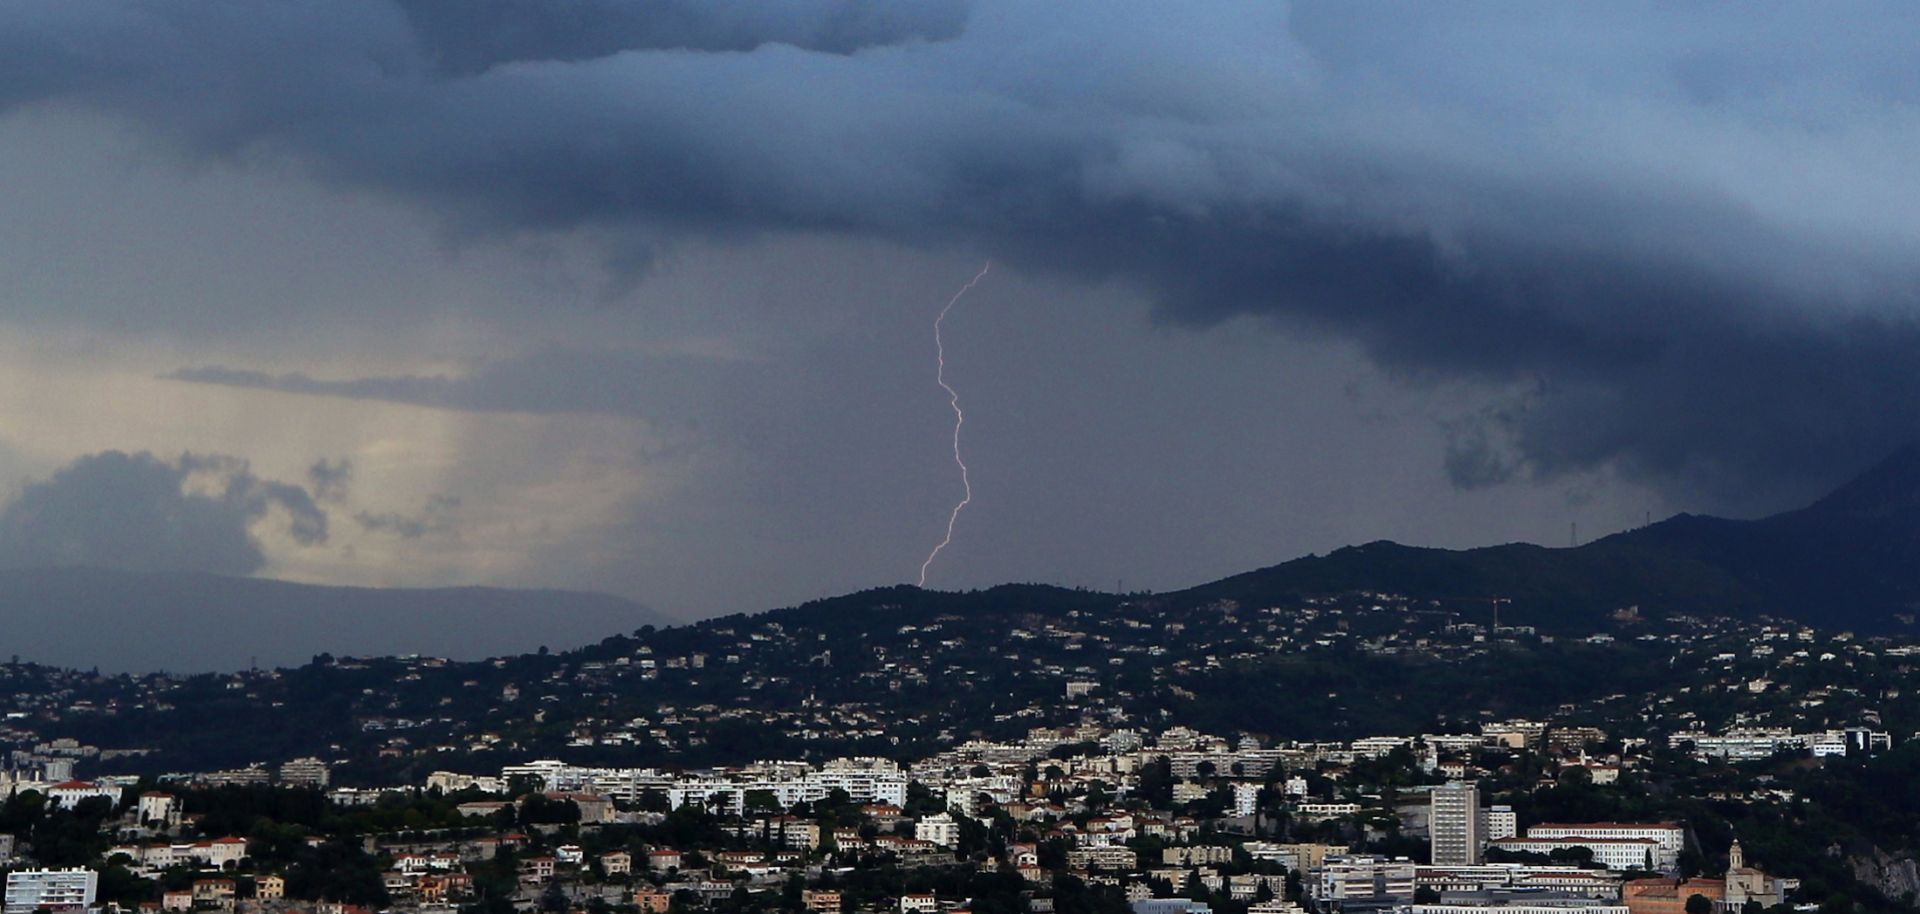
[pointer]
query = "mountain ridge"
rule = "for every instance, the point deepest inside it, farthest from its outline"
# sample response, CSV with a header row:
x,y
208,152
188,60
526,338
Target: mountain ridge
x,y
189,621
1850,559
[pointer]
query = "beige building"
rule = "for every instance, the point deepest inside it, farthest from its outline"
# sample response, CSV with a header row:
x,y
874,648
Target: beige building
x,y
1744,883
616,863
821,901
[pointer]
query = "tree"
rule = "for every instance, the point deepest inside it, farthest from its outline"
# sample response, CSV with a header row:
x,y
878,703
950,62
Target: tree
x,y
760,803
553,899
1699,904
1579,856
1156,782
119,884
539,809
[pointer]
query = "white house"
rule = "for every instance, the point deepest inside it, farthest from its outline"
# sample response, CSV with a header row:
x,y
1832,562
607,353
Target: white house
x,y
70,793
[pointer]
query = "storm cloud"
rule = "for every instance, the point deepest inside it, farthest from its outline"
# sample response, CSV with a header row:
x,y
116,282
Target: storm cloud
x,y
1681,239
139,512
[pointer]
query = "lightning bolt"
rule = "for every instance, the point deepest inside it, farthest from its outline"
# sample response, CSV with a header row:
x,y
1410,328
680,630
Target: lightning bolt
x,y
959,418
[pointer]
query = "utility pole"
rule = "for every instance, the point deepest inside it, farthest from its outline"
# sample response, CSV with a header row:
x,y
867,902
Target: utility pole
x,y
1496,601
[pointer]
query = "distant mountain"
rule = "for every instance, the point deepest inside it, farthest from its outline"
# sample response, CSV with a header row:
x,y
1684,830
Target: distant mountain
x,y
192,622
1850,560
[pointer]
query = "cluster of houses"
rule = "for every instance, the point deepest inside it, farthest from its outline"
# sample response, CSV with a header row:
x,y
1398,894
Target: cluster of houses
x,y
1078,800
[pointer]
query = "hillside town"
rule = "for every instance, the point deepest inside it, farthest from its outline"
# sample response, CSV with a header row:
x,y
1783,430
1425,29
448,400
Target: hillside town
x,y
1079,818
1053,753
873,675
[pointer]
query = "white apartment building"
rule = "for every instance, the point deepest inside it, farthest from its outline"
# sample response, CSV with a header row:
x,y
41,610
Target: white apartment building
x,y
1612,853
1106,858
29,891
1738,744
1327,810
941,829
867,780
305,772
1348,878
873,780
1667,837
1511,906
1500,823
1748,743
454,782
1189,791
1377,746
1453,742
1197,855
1564,879
1246,798
149,859
553,774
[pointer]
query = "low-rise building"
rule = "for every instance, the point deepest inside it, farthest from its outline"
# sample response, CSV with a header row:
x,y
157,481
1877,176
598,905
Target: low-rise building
x,y
1669,896
616,863
70,793
651,900
919,903
821,901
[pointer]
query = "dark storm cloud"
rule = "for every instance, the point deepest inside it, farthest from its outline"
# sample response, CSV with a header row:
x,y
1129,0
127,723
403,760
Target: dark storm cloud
x,y
470,36
142,513
1681,234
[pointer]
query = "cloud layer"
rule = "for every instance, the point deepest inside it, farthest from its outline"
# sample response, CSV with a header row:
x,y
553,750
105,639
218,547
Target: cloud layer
x,y
139,512
1681,237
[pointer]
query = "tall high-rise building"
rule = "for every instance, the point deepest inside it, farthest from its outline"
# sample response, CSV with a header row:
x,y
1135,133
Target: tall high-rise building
x,y
1454,824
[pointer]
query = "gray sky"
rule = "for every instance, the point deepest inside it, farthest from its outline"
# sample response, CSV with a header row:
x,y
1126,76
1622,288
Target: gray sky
x,y
639,296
